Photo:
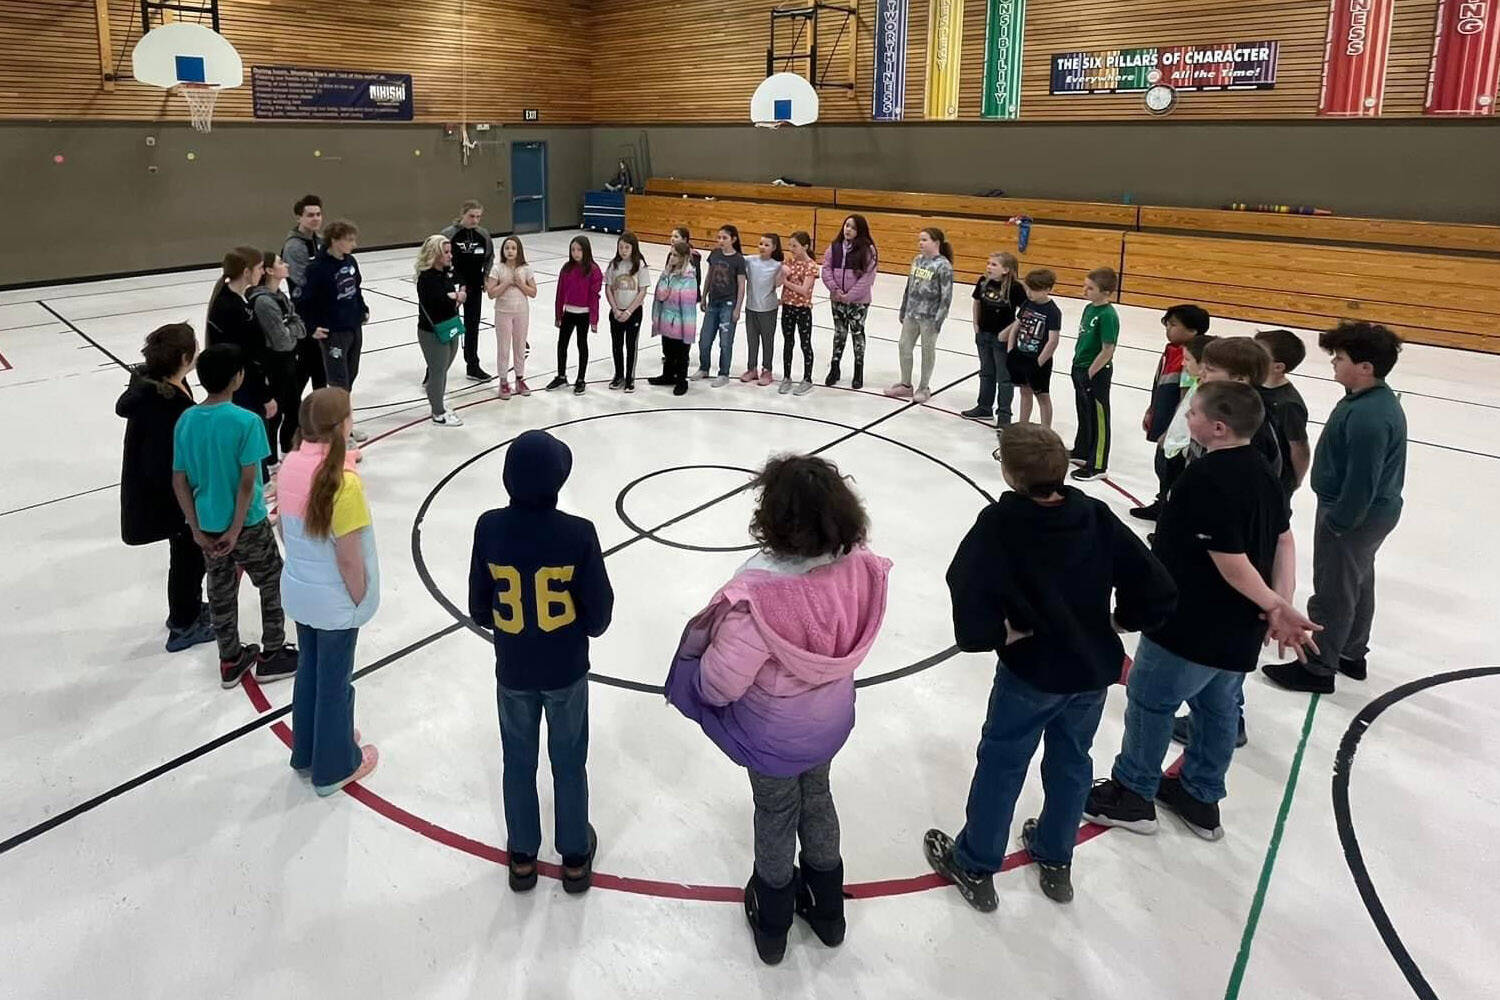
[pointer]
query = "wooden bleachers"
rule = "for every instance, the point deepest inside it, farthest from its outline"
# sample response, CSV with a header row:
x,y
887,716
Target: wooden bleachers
x,y
1438,299
1291,270
1071,251
741,191
1092,213
1332,229
652,218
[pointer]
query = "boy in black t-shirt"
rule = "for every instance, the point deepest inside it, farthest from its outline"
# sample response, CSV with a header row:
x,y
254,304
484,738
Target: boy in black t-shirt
x,y
1030,343
1285,410
1225,538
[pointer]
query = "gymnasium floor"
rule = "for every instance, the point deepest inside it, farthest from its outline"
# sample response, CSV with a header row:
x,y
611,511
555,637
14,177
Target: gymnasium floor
x,y
159,846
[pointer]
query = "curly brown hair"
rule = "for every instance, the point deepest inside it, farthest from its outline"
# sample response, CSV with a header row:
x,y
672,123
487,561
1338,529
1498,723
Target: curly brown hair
x,y
806,508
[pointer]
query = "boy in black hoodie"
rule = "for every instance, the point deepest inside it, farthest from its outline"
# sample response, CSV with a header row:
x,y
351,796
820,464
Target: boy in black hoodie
x,y
1032,581
333,307
537,580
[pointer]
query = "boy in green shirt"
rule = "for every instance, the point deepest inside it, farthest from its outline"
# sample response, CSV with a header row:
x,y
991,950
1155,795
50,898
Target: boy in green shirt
x,y
217,449
1093,366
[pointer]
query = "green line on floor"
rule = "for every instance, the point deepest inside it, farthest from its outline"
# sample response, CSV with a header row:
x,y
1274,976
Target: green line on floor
x,y
1237,977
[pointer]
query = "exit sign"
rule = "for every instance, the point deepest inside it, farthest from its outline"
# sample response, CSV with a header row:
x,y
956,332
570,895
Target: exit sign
x,y
531,114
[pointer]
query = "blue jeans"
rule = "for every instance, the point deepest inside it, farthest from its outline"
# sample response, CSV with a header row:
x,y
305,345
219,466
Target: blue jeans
x,y
1159,682
567,711
1019,717
718,321
323,705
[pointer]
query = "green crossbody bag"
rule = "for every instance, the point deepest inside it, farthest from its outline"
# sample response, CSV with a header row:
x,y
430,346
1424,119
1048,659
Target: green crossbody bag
x,y
446,331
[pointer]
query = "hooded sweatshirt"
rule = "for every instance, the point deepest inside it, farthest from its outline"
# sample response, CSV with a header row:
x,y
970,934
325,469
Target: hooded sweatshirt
x,y
278,321
298,251
148,507
473,253
1050,571
767,669
840,276
333,297
536,577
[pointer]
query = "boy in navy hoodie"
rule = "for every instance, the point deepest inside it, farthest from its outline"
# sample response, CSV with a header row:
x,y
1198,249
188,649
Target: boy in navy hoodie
x,y
333,306
537,580
1046,578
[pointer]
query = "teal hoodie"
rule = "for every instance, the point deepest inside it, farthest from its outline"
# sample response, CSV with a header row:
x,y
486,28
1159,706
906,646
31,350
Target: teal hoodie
x,y
1360,465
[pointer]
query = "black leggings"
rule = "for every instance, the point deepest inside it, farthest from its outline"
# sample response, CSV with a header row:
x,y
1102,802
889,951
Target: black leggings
x,y
473,309
185,571
796,321
281,374
572,322
624,337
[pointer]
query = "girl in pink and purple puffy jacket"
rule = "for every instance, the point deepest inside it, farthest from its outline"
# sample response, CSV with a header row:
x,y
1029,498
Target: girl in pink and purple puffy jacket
x,y
767,669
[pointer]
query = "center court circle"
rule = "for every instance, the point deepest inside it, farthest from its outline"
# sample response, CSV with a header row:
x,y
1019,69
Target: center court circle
x,y
629,522
420,562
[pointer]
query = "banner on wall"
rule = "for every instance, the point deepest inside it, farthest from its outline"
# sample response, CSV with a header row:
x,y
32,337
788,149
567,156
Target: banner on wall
x,y
1227,66
890,60
1003,29
1354,58
1465,69
296,92
945,55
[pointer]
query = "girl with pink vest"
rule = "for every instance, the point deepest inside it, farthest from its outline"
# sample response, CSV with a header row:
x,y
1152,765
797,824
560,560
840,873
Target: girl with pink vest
x,y
767,669
849,267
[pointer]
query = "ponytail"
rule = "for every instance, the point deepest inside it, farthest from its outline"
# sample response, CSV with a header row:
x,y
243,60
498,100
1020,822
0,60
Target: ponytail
x,y
325,410
944,247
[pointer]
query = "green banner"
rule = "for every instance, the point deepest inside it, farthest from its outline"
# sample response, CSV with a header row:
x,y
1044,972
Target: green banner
x,y
1004,26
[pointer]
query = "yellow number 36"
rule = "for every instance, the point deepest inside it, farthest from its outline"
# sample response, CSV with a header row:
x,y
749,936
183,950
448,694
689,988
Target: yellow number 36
x,y
554,607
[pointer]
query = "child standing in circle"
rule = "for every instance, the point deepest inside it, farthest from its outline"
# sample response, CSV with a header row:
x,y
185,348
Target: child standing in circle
x,y
512,285
577,309
473,251
763,277
1030,343
331,587
799,275
333,305
998,294
438,300
767,669
625,284
1093,367
723,298
282,330
924,306
157,395
685,235
231,321
849,267
674,317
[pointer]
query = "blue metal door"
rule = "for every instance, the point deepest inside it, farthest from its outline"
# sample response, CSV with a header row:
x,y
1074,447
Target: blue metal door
x,y
528,186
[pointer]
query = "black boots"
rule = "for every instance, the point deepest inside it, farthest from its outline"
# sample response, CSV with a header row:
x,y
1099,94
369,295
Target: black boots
x,y
833,374
859,376
820,901
769,912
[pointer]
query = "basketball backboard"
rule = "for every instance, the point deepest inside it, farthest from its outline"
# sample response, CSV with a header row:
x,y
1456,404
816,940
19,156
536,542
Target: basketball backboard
x,y
185,53
784,99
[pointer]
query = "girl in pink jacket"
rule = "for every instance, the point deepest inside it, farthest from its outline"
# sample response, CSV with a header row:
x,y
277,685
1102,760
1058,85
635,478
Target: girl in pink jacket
x,y
767,669
577,309
849,268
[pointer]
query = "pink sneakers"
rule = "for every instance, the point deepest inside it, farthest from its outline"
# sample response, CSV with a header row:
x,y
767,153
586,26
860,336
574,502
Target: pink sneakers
x,y
369,758
504,389
766,378
899,391
750,375
522,389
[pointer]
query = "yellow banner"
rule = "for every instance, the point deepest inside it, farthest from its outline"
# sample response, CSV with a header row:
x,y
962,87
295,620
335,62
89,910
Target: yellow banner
x,y
945,43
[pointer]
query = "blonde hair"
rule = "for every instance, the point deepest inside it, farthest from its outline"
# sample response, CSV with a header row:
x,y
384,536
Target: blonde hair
x,y
432,249
683,251
1012,268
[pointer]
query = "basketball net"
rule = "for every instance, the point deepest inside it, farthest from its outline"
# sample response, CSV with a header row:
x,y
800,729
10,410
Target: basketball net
x,y
200,98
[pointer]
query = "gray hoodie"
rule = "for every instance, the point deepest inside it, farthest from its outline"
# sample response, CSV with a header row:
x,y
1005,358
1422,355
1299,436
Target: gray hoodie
x,y
298,252
929,290
277,320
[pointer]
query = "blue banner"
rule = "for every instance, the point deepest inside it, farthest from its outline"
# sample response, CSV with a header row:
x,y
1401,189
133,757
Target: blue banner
x,y
296,92
890,60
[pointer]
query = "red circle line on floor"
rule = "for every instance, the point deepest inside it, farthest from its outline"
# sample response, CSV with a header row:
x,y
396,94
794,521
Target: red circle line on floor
x,y
623,883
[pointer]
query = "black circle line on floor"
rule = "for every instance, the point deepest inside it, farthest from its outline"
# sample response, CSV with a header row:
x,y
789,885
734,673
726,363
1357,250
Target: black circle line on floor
x,y
1343,766
463,620
630,523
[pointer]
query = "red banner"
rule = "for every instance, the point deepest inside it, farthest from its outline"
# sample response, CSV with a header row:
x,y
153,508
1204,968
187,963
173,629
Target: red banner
x,y
1465,59
1354,58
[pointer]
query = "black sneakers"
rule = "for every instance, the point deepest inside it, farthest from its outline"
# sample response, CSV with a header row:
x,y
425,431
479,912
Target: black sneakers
x,y
277,665
522,872
478,374
1056,880
558,382
1182,731
1295,676
230,671
1088,475
977,888
1353,669
1112,804
979,414
578,878
1201,817
1149,512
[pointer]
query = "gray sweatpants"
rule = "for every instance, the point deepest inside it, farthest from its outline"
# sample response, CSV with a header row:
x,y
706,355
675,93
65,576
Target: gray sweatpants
x,y
911,330
1343,599
789,809
760,330
439,358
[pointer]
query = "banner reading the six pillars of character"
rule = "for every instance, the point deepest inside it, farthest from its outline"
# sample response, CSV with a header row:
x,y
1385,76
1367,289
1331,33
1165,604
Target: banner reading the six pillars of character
x,y
1002,59
1465,59
890,60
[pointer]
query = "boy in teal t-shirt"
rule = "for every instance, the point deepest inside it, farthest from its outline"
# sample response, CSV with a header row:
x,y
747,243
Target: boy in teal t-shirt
x,y
217,449
1093,366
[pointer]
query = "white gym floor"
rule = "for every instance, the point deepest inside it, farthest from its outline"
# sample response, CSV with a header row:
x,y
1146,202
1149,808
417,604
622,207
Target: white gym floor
x,y
159,845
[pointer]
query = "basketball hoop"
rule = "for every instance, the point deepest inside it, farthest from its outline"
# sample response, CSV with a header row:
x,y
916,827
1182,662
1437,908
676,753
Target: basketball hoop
x,y
770,124
200,98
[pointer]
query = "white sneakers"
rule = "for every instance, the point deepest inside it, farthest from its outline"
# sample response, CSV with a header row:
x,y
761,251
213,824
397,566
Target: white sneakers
x,y
448,419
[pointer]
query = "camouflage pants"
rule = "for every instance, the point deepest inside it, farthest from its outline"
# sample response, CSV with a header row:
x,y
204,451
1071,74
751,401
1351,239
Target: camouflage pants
x,y
257,555
849,318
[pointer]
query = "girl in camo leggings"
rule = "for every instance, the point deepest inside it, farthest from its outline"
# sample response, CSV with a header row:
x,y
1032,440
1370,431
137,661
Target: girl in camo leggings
x,y
849,274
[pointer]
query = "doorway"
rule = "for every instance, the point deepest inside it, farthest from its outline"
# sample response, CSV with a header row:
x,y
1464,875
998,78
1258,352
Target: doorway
x,y
528,186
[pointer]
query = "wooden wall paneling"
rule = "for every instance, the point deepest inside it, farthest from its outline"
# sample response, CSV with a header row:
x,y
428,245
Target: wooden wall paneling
x,y
1091,212
741,190
652,217
1326,228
